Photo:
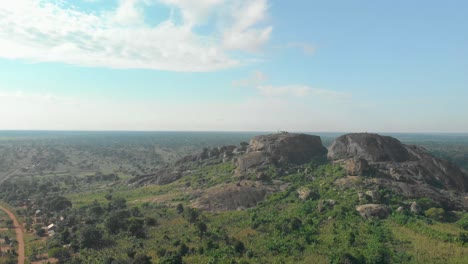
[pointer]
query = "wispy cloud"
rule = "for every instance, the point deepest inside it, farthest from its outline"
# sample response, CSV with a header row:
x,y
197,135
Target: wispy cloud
x,y
258,79
294,90
50,31
255,79
306,48
243,34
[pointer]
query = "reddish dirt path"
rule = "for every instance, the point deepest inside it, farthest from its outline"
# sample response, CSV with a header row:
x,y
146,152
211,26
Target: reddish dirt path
x,y
19,235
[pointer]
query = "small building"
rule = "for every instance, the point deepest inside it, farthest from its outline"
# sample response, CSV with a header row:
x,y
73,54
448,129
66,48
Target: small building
x,y
51,227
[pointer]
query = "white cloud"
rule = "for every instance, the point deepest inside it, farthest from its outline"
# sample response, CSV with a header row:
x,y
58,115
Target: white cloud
x,y
257,79
243,34
300,91
194,11
297,91
40,30
129,13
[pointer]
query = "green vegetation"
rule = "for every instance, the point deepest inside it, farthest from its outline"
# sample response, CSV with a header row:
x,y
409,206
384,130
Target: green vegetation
x,y
99,218
282,229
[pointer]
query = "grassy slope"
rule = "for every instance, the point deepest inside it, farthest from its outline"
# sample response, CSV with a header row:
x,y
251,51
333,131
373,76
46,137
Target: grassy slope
x,y
267,233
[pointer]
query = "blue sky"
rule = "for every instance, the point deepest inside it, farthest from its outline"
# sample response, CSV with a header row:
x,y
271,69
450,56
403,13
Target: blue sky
x,y
237,65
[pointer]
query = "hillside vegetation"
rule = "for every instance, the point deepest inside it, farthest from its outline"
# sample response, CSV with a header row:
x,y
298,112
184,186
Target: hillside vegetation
x,y
268,207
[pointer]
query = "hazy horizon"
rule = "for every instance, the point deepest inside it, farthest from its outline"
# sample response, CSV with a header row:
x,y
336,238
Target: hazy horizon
x,y
232,131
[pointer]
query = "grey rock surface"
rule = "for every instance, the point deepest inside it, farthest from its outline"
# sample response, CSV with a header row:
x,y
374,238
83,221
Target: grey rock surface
x,y
405,169
369,211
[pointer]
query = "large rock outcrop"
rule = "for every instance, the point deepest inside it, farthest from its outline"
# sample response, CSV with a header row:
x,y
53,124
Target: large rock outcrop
x,y
371,147
159,177
281,149
232,196
370,211
405,169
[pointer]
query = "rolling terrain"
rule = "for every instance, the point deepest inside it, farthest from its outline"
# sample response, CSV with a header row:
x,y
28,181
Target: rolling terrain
x,y
239,198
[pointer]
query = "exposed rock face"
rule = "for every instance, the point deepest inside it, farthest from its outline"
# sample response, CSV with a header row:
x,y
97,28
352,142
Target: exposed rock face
x,y
254,159
288,147
374,195
304,193
232,197
224,152
369,211
160,177
407,170
356,167
415,209
371,147
262,151
281,149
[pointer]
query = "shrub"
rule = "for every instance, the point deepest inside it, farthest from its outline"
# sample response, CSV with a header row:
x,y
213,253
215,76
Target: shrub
x,y
202,228
136,227
463,237
91,237
435,213
151,221
180,208
183,249
239,247
171,259
463,222
142,259
426,203
59,253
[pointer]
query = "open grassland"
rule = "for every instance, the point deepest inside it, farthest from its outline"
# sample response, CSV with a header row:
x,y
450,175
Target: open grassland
x,y
425,249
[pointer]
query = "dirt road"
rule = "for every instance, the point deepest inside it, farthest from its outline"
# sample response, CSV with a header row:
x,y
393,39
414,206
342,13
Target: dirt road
x,y
19,234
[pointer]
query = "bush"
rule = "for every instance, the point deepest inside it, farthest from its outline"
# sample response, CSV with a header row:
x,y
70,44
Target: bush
x,y
151,221
239,247
183,249
191,215
171,259
426,203
180,208
91,237
463,237
59,253
376,252
463,222
142,259
202,228
136,227
435,213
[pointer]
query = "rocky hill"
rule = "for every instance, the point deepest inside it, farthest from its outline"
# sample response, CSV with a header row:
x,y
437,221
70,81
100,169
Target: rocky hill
x,y
375,162
385,162
280,150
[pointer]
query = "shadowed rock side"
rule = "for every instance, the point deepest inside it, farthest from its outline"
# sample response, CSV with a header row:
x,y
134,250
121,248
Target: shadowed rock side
x,y
407,170
371,147
280,150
